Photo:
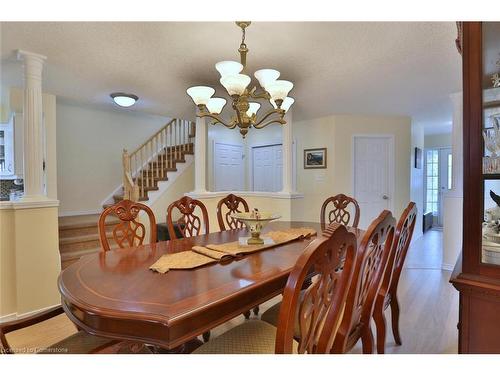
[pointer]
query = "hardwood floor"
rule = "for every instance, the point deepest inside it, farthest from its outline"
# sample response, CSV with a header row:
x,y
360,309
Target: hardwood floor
x,y
429,308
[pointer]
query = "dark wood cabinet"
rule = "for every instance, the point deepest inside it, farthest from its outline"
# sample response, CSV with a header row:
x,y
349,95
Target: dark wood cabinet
x,y
477,275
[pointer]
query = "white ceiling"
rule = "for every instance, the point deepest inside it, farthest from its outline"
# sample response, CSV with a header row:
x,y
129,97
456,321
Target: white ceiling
x,y
377,68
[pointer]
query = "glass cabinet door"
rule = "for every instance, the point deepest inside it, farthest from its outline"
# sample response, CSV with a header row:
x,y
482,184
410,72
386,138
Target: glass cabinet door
x,y
491,143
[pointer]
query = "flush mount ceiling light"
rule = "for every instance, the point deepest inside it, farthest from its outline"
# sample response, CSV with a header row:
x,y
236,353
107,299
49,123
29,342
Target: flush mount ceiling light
x,y
236,84
124,100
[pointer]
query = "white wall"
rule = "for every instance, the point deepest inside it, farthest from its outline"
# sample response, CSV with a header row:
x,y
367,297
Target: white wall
x,y
271,134
417,177
89,149
437,140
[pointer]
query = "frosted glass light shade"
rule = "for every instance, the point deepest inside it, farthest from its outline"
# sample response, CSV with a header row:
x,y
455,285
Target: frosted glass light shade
x,y
254,107
266,76
215,105
235,84
279,89
200,94
228,68
287,103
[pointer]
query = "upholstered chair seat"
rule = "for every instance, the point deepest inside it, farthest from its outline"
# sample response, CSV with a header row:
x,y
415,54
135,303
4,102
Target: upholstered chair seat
x,y
251,337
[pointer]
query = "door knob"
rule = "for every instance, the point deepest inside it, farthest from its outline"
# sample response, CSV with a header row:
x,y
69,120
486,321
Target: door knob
x,y
385,197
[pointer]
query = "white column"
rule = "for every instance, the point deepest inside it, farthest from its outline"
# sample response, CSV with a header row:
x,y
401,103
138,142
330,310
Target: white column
x,y
33,126
287,149
453,200
200,155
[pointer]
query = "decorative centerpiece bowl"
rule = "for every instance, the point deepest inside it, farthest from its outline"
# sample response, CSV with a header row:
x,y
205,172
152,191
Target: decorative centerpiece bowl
x,y
255,221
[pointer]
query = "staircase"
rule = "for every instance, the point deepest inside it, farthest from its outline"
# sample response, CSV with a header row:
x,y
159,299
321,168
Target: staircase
x,y
143,170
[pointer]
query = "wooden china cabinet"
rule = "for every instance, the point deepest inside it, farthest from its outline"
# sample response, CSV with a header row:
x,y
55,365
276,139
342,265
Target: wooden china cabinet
x,y
477,273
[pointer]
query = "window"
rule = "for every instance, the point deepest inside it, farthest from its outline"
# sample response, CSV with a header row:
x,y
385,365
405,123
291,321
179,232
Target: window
x,y
450,164
432,186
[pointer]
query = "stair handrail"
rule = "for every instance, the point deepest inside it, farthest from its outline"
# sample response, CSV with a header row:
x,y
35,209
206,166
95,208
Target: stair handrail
x,y
152,159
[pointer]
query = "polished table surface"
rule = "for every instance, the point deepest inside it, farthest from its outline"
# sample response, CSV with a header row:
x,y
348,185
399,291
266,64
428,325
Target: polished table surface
x,y
114,294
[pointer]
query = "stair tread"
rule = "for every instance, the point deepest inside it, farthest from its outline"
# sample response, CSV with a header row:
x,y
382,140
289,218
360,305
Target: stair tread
x,y
82,238
82,221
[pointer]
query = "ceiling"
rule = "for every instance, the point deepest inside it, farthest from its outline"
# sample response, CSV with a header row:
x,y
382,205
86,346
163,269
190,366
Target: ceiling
x,y
375,68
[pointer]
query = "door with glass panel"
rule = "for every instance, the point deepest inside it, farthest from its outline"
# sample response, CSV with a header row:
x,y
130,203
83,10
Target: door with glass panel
x,y
438,166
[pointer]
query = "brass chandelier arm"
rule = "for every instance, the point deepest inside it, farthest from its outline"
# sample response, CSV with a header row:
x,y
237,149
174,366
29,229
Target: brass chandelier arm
x,y
278,121
277,110
217,118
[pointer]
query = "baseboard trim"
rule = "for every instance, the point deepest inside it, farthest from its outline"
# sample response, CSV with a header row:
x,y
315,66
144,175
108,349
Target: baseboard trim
x,y
8,317
15,316
447,267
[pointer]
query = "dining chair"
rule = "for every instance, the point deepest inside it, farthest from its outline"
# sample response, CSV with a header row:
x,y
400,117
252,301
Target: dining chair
x,y
340,212
387,295
189,223
372,257
331,258
77,343
228,206
128,232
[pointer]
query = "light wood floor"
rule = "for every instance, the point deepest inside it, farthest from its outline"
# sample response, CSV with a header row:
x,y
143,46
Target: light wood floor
x,y
429,308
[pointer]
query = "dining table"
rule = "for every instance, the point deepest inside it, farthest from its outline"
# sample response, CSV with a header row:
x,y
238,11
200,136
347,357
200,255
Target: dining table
x,y
114,294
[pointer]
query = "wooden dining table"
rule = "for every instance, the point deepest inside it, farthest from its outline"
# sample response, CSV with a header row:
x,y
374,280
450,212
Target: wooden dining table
x,y
114,294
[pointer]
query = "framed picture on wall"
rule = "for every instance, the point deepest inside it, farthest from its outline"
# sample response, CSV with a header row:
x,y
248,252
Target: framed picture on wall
x,y
418,158
315,158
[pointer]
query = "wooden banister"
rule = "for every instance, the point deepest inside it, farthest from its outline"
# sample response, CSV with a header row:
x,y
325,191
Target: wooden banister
x,y
150,162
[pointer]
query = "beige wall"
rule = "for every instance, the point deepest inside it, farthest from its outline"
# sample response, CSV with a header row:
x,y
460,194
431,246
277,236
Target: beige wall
x,y
336,134
89,146
29,261
417,177
7,263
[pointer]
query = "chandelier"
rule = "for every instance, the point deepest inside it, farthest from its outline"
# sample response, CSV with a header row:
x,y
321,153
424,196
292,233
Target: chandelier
x,y
244,99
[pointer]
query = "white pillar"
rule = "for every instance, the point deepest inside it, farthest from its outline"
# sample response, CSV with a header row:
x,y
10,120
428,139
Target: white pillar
x,y
200,155
453,200
287,148
33,126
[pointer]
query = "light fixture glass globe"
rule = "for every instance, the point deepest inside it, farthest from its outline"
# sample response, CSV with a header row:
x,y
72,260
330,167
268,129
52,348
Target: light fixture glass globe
x,y
228,68
266,76
235,84
287,103
215,105
253,108
124,100
200,94
279,89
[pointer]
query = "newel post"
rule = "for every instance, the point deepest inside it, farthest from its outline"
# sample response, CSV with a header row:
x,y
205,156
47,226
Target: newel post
x,y
127,189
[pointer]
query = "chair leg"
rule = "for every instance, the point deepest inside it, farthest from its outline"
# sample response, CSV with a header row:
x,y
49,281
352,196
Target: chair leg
x,y
256,310
246,314
395,319
206,336
367,340
379,318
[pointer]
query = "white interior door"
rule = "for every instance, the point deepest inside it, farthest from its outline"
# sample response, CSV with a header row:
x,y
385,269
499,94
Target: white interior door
x,y
372,176
229,171
267,168
445,178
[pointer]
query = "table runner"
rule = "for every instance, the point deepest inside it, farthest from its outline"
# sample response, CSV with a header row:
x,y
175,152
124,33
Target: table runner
x,y
212,253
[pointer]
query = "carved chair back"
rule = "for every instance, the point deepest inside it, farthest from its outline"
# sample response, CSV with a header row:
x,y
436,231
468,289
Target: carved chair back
x,y
189,223
371,262
230,204
340,212
401,243
331,258
128,232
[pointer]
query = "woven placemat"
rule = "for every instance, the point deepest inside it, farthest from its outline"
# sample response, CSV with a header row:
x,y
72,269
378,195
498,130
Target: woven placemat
x,y
202,255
